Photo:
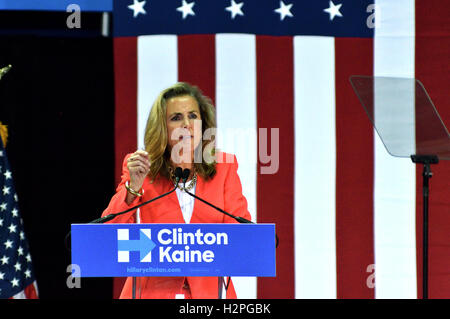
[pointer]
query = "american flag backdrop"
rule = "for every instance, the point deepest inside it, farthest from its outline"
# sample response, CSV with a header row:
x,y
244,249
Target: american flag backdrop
x,y
17,279
348,215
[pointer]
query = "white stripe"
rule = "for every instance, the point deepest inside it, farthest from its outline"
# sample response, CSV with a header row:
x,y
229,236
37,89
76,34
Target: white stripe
x,y
22,295
394,180
36,287
236,119
315,167
157,70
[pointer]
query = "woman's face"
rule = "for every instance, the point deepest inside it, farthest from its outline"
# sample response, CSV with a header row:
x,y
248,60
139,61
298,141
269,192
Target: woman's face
x,y
184,125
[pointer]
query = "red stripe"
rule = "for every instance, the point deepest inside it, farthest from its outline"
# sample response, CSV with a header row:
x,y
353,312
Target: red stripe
x,y
125,136
432,64
275,192
197,62
30,292
354,173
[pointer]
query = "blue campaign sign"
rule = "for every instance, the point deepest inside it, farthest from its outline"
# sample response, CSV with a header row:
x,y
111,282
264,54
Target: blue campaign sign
x,y
59,5
145,250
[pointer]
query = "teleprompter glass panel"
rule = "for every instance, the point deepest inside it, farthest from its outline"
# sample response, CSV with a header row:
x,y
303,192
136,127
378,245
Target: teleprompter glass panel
x,y
403,116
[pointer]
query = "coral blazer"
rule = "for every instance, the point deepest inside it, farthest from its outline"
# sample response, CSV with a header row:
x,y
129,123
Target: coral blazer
x,y
224,190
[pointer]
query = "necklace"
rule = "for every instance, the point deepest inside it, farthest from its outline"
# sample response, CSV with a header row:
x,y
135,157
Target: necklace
x,y
189,187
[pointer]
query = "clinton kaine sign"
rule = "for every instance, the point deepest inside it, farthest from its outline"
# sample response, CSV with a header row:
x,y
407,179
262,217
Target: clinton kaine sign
x,y
143,250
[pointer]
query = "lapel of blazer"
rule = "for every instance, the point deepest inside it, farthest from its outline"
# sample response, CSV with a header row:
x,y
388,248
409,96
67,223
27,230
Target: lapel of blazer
x,y
171,204
202,212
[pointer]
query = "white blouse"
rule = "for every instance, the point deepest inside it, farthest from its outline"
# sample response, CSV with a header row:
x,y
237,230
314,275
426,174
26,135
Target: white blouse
x,y
186,202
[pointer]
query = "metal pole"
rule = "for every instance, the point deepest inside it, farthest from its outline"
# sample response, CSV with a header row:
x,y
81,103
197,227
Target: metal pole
x,y
426,176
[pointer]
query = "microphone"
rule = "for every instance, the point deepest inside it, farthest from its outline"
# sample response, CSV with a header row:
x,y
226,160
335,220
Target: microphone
x,y
101,220
185,175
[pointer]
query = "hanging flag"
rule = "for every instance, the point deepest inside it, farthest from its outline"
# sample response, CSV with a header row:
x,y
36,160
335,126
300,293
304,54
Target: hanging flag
x,y
345,210
17,279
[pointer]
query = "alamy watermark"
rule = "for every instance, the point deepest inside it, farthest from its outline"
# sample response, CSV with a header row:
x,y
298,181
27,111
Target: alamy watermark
x,y
373,20
370,281
252,146
74,279
73,21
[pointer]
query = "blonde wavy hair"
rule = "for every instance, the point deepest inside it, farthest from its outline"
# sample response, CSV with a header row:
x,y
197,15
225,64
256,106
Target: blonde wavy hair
x,y
156,138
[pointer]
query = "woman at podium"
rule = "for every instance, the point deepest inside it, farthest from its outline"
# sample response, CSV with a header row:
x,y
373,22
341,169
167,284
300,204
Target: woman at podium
x,y
179,133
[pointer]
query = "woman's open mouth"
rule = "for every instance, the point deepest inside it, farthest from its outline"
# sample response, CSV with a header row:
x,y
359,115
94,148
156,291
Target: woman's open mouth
x,y
186,137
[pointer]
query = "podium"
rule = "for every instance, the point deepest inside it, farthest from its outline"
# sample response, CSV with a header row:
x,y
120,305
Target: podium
x,y
168,250
409,125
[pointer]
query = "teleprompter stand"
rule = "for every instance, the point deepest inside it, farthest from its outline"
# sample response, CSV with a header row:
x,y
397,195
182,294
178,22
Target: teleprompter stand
x,y
426,160
408,124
